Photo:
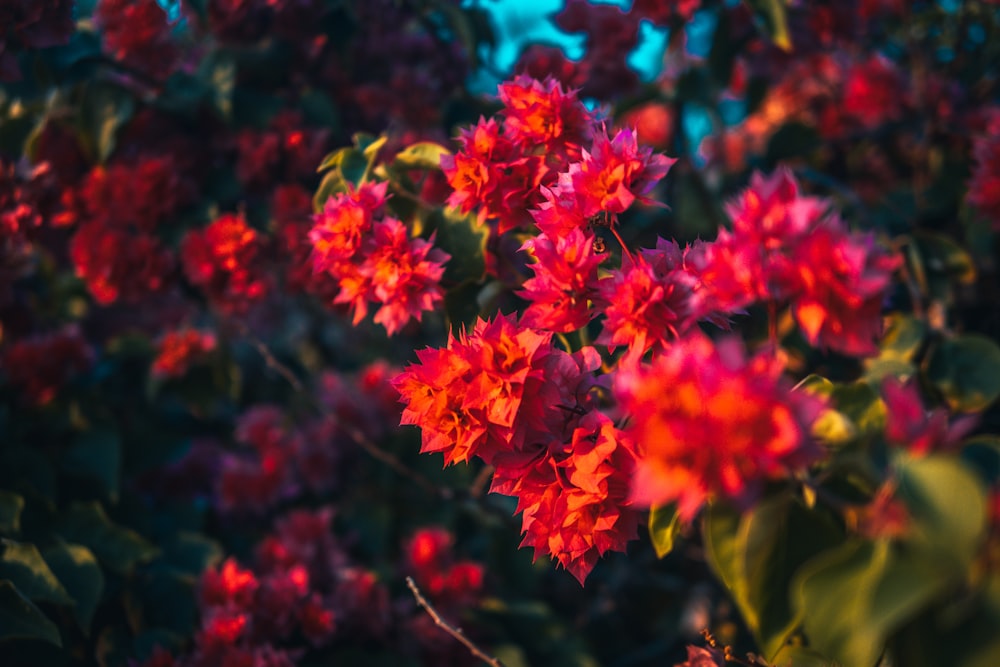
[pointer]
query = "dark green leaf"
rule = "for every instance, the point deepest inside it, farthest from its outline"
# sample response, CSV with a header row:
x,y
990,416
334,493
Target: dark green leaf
x,y
193,552
11,505
664,524
757,554
966,370
21,619
98,455
117,547
792,140
332,184
81,576
464,238
943,256
852,598
105,110
22,564
461,307
903,338
720,527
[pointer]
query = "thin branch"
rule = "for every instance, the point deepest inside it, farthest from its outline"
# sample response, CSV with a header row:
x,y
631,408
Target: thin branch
x,y
355,434
450,629
396,464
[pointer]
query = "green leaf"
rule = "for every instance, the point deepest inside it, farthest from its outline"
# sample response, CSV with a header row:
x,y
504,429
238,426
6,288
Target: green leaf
x,y
105,109
333,184
421,155
799,656
22,564
117,547
774,15
21,619
793,140
664,524
947,507
966,370
720,527
903,338
353,166
862,404
82,577
193,552
96,454
464,238
852,598
11,506
941,255
756,556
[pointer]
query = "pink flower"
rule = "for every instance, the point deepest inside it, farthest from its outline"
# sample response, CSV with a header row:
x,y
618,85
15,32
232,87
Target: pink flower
x,y
565,280
708,422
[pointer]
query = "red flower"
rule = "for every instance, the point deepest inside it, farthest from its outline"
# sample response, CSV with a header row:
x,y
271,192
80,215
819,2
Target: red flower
x,y
565,280
178,350
984,186
540,113
403,274
708,422
616,172
222,258
341,227
38,367
137,32
842,280
909,424
644,308
119,264
230,584
466,397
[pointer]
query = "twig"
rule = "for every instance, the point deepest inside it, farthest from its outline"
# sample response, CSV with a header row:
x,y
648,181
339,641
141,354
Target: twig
x,y
355,434
451,630
396,464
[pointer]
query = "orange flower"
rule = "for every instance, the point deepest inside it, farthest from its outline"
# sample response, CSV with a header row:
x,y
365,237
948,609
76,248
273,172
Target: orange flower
x,y
708,422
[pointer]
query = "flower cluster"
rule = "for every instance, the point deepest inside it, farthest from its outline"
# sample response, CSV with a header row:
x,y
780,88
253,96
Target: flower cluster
x,y
576,456
714,389
548,153
373,258
505,394
137,34
223,259
984,186
39,366
177,351
784,248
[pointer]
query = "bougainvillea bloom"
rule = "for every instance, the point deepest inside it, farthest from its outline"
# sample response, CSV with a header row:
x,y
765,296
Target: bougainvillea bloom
x,y
984,186
541,113
137,32
909,424
117,264
222,260
616,172
708,422
645,309
39,366
346,219
565,280
178,351
842,280
403,275
574,495
466,396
